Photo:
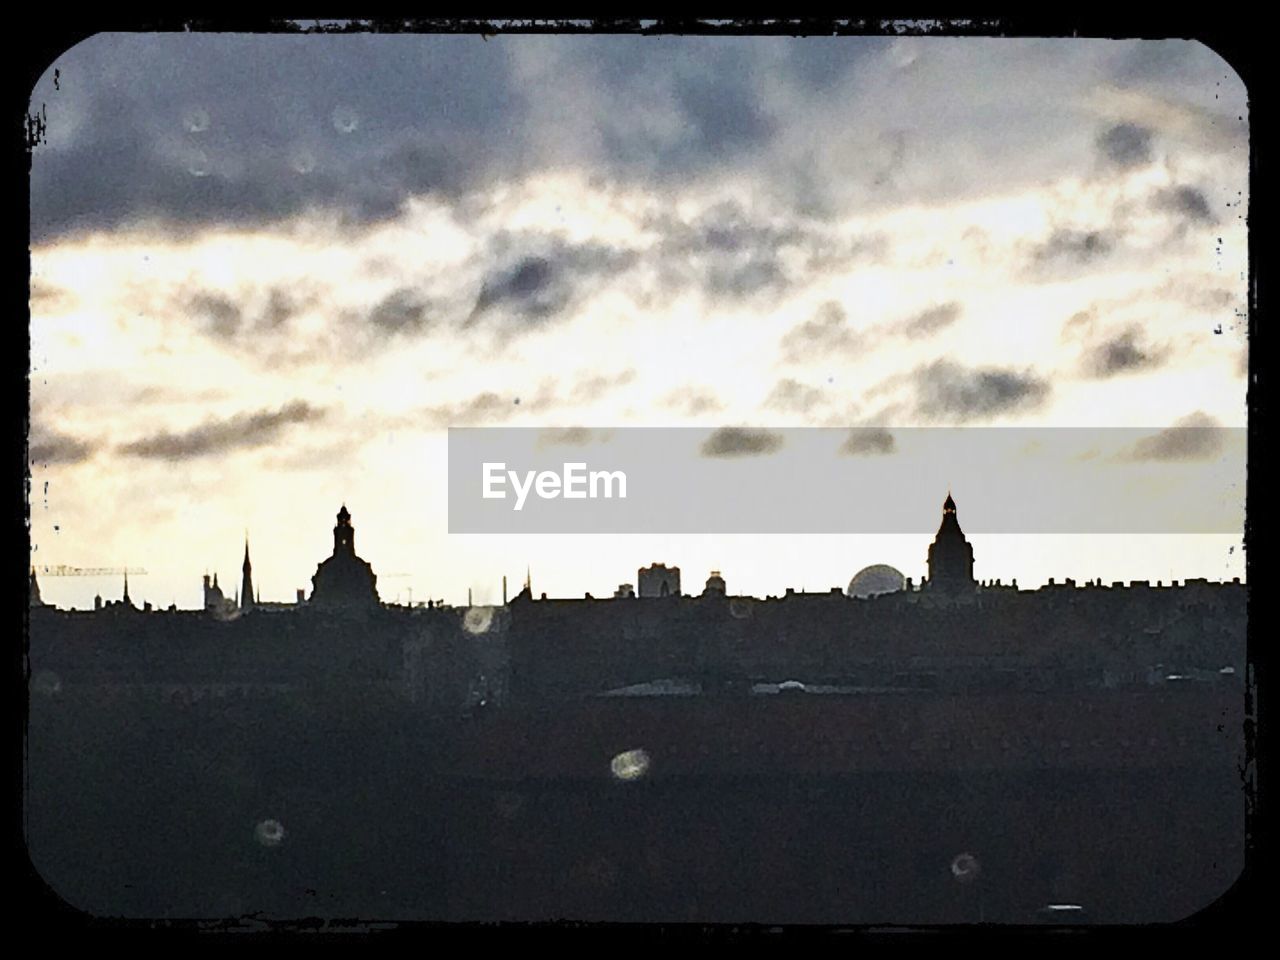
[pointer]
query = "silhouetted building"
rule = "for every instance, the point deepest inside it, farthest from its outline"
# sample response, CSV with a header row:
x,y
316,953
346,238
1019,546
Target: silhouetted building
x,y
624,590
659,580
715,585
246,581
213,596
344,581
950,554
34,591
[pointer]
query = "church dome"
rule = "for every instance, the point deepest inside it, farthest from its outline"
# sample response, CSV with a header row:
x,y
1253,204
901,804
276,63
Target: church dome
x,y
876,579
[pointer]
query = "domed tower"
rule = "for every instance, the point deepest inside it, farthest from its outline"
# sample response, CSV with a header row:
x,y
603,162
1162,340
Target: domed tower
x,y
950,554
344,581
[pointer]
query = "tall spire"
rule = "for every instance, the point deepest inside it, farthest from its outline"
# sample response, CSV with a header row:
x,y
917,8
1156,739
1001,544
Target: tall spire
x,y
246,583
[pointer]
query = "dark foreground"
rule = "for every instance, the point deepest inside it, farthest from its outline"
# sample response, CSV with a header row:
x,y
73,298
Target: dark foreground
x,y
790,811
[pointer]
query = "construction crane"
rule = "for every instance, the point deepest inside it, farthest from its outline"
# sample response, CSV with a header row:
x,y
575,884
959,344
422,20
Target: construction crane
x,y
63,570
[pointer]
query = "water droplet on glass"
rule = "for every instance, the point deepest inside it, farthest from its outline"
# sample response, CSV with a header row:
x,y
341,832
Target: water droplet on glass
x,y
269,833
345,120
478,620
630,765
303,161
198,164
46,682
965,867
196,120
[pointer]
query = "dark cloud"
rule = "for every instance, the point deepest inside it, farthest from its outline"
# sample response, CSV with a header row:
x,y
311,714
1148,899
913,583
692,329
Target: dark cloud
x,y
945,390
826,334
46,297
48,447
791,396
220,318
566,437
1188,202
692,401
1126,144
490,407
244,430
1123,353
281,307
1194,437
730,253
249,130
932,320
1078,324
247,318
197,129
188,130
868,441
482,408
540,275
402,311
741,442
706,90
721,108
1164,61
592,388
822,63
1075,246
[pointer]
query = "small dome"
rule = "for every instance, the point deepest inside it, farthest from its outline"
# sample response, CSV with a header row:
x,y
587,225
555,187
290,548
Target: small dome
x,y
876,579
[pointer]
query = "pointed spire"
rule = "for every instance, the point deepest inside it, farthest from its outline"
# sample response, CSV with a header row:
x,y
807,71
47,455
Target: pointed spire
x,y
246,582
126,585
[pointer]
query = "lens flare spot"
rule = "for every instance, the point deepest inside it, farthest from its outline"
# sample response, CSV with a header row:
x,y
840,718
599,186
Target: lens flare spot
x,y
630,765
196,120
46,682
478,620
269,833
965,867
303,161
345,120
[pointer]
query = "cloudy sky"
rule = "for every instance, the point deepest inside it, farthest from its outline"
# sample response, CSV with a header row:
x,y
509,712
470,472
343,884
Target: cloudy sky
x,y
269,272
